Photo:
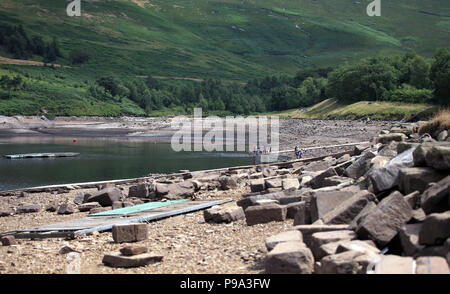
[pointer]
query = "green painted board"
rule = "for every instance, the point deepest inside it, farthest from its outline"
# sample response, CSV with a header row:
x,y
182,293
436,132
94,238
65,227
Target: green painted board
x,y
138,208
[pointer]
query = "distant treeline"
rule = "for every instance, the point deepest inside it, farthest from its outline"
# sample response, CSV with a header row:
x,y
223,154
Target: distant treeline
x,y
21,45
408,78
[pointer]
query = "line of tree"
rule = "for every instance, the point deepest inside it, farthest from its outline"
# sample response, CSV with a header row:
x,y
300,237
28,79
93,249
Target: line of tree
x,y
408,78
20,44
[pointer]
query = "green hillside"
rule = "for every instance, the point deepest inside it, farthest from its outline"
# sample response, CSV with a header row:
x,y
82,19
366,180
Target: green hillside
x,y
193,40
233,39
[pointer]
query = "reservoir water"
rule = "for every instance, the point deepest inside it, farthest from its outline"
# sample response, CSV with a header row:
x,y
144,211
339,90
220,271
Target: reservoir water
x,y
100,159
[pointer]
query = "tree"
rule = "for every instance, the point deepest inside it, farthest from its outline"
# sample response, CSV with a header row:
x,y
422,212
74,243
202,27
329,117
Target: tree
x,y
440,75
419,72
79,56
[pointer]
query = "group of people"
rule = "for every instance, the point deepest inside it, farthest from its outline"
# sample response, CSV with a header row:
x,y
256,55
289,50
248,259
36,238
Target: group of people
x,y
258,151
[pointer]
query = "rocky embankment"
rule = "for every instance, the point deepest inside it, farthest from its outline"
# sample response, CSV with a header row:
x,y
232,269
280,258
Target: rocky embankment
x,y
381,208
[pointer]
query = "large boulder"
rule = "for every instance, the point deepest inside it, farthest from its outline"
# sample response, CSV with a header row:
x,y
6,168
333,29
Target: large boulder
x,y
294,208
139,191
435,229
348,262
386,139
226,214
287,236
308,230
227,183
292,257
360,166
417,179
323,201
181,190
382,223
119,260
345,212
436,198
384,178
321,238
409,239
290,183
318,181
438,157
265,213
257,185
106,197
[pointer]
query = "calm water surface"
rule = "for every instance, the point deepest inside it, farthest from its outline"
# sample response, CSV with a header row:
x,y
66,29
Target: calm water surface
x,y
100,159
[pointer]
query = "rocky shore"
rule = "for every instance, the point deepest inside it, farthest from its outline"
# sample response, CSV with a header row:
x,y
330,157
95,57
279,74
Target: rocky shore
x,y
378,208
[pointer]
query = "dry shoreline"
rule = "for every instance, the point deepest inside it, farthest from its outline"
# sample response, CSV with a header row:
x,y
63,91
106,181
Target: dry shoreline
x,y
188,243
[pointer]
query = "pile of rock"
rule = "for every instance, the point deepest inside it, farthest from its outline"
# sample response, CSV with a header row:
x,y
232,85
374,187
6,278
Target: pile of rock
x,y
384,210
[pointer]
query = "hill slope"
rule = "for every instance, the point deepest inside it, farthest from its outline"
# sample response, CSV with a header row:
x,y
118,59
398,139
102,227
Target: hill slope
x,y
332,109
232,39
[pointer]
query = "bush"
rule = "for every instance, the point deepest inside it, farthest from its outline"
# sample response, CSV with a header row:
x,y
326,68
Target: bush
x,y
410,94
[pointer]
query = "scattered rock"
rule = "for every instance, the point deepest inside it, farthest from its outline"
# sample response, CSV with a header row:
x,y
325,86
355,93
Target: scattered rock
x,y
308,230
66,209
129,233
67,249
118,260
6,212
88,206
349,262
386,139
227,214
409,239
348,209
273,183
139,191
382,223
292,257
133,249
417,179
106,197
8,240
79,199
29,208
322,202
265,213
384,178
269,172
360,166
272,241
435,229
321,238
227,183
436,198
257,185
292,209
98,210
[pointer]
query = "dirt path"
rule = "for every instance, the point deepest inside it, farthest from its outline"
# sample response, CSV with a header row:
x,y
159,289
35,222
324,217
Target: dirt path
x,y
5,60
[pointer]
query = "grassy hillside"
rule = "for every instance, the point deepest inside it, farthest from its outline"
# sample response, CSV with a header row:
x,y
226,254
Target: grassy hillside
x,y
232,39
191,40
332,109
